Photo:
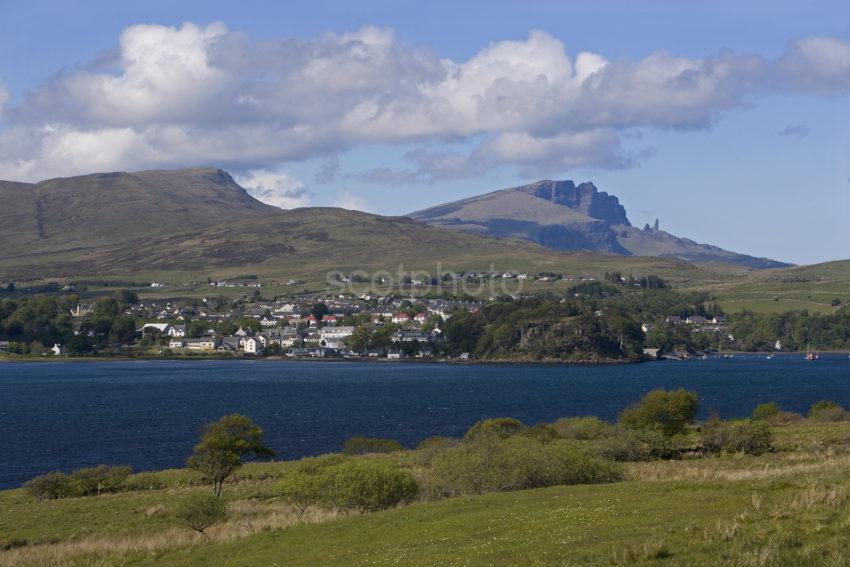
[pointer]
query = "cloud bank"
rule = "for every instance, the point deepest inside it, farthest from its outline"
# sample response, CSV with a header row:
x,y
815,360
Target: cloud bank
x,y
172,97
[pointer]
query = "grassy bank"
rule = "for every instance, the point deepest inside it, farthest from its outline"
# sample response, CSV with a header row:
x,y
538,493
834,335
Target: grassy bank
x,y
786,507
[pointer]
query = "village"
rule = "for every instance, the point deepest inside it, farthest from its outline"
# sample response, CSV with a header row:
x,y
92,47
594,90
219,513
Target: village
x,y
386,327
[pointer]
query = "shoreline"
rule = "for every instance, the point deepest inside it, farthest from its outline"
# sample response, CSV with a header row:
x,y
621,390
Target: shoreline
x,y
548,362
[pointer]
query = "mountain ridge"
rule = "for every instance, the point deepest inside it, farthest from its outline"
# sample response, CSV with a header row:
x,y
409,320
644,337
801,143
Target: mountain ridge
x,y
569,217
199,222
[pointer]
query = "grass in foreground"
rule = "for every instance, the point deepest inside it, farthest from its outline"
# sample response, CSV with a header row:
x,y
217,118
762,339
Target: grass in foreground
x,y
782,508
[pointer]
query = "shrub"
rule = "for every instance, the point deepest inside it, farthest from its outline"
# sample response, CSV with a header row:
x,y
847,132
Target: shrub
x,y
714,436
360,445
98,480
628,445
501,427
431,447
748,437
352,484
202,510
784,417
668,411
50,486
490,464
583,428
300,489
542,433
144,481
826,410
765,411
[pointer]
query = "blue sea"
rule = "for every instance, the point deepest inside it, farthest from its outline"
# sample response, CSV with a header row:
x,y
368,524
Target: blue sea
x,y
65,415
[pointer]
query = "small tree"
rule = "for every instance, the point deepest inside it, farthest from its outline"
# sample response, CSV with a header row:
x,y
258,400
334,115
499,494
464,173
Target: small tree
x,y
223,446
668,411
200,511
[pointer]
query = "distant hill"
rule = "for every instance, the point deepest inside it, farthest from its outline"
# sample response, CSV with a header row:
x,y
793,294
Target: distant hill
x,y
110,208
570,217
198,222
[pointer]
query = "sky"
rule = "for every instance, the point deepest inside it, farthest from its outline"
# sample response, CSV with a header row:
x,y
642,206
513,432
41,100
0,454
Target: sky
x,y
727,121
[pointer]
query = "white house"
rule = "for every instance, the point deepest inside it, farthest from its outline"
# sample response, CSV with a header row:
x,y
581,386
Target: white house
x,y
176,343
252,346
401,318
56,349
204,343
177,331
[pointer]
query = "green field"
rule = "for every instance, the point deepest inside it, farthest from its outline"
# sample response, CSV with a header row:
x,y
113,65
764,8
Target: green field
x,y
788,507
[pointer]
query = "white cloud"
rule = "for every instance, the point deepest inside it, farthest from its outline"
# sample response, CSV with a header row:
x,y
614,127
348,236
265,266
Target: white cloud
x,y
819,65
275,188
172,97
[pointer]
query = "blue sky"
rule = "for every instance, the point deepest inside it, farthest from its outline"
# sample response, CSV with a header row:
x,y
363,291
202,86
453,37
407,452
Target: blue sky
x,y
755,160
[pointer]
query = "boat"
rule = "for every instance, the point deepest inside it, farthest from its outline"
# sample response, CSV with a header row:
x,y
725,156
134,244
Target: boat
x,y
811,355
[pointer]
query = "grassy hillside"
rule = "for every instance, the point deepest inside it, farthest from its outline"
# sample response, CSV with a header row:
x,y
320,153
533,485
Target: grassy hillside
x,y
782,508
306,244
73,213
185,226
807,287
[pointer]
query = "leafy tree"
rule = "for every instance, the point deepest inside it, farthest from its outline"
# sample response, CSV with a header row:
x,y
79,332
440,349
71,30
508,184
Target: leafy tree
x,y
223,446
360,338
122,330
319,310
668,411
127,297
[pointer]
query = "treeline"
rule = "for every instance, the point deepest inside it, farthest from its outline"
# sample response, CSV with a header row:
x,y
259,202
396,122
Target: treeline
x,y
797,330
34,323
544,328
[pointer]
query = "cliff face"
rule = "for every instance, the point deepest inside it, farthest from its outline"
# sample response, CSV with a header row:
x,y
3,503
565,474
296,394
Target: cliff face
x,y
585,198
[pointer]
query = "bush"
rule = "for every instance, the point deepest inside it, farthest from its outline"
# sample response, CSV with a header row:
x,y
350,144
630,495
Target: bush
x,y
751,438
542,433
765,411
300,489
431,447
360,445
82,482
490,464
98,480
784,417
583,428
827,411
50,486
144,481
202,510
352,484
501,427
748,437
628,445
668,411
